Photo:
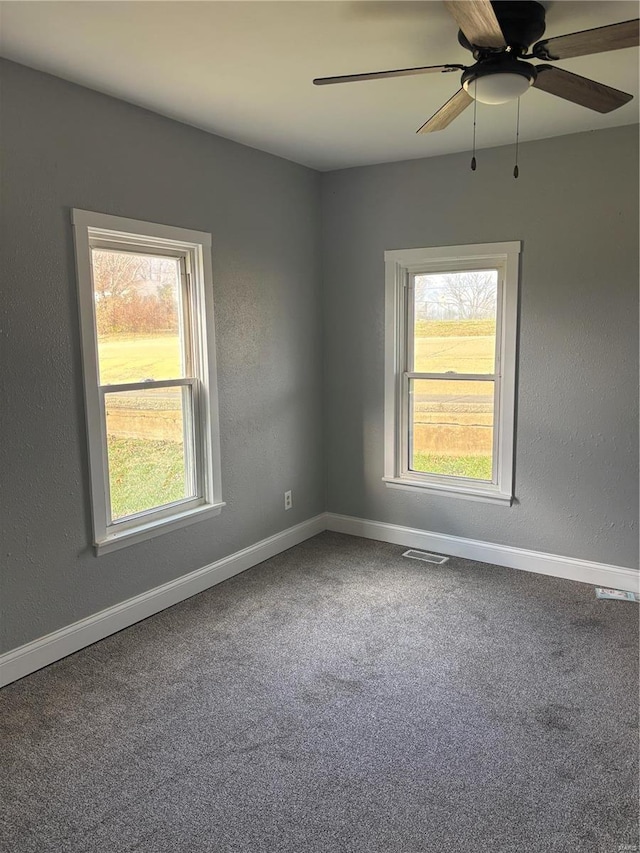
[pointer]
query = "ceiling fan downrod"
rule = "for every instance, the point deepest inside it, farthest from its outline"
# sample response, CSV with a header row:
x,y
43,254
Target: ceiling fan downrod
x,y
516,171
475,113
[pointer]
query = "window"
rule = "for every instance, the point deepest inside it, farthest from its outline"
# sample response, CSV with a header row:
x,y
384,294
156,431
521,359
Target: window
x,y
451,319
145,295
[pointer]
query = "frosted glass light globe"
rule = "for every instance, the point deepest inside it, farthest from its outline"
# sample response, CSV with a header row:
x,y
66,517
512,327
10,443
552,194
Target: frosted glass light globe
x,y
497,88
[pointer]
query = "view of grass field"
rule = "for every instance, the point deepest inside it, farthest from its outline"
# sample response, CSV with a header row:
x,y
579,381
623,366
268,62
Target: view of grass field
x,y
134,358
453,419
476,467
462,346
144,473
145,448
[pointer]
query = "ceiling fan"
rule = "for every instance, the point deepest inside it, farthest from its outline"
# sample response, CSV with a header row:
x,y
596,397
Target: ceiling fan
x,y
499,34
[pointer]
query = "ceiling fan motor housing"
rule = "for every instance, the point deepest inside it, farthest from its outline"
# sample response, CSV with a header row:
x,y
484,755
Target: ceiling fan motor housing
x,y
500,75
522,23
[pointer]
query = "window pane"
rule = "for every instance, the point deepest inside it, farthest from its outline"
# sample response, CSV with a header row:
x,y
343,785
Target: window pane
x,y
452,427
137,300
149,458
455,322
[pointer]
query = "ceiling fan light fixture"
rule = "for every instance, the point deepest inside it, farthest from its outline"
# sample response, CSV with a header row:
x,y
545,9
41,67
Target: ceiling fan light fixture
x,y
498,88
496,81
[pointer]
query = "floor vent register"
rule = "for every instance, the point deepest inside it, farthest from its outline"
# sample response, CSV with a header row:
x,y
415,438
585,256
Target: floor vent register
x,y
438,559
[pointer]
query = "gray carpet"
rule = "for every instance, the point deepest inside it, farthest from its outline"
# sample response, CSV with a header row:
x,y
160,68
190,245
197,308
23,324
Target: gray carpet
x,y
338,698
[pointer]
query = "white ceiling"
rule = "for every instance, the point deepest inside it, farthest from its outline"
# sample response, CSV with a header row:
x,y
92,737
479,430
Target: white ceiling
x,y
243,70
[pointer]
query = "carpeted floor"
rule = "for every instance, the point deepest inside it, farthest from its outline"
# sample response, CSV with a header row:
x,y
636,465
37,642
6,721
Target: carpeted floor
x,y
337,698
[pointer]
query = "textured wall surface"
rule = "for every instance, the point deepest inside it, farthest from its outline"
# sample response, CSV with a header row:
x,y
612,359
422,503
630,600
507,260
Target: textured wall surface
x,y
64,147
575,209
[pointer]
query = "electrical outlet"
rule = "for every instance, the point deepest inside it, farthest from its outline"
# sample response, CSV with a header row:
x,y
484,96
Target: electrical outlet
x,y
288,501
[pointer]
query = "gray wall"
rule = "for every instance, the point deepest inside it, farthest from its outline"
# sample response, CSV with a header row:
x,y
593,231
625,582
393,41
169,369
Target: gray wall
x,y
66,146
575,208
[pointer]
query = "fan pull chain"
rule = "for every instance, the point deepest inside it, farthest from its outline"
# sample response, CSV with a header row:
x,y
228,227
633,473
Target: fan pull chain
x,y
516,171
475,112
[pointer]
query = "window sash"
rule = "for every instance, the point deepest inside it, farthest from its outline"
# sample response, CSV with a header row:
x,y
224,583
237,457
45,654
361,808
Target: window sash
x,y
186,318
191,443
404,402
191,440
408,333
191,434
464,377
408,430
151,383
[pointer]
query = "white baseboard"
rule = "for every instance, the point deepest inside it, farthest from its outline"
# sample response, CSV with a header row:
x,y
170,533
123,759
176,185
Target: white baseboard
x,y
597,574
32,656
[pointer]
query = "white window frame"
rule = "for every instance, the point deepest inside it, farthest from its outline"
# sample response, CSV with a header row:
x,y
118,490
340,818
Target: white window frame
x,y
401,265
193,248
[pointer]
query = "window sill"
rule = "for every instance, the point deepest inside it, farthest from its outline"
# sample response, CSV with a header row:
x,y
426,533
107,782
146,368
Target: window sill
x,y
149,529
453,491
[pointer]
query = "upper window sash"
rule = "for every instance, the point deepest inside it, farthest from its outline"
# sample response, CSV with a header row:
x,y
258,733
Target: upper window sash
x,y
187,332
443,267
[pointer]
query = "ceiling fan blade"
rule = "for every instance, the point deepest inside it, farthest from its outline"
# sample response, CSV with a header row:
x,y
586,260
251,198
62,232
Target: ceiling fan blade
x,y
446,114
379,75
478,22
579,90
598,40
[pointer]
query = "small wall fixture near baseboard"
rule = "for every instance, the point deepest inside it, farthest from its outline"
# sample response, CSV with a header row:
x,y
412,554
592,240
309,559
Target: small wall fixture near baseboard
x,y
438,559
616,594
